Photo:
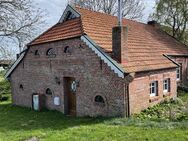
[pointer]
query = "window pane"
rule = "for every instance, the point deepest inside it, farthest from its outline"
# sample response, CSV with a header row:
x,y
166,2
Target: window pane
x,y
153,88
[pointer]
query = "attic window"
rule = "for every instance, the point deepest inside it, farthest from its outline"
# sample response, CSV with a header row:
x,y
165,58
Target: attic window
x,y
69,16
51,53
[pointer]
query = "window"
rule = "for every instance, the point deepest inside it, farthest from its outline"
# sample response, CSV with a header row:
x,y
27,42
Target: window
x,y
166,85
36,53
51,53
178,73
153,88
99,99
69,16
48,91
21,86
67,49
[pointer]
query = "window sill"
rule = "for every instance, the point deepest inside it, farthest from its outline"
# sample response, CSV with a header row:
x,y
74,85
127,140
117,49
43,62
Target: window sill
x,y
178,80
153,99
166,94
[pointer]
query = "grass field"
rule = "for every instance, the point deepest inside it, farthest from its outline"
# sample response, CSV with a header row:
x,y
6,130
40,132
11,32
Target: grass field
x,y
20,124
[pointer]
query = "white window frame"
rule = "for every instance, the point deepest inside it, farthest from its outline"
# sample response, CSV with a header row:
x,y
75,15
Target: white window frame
x,y
166,84
178,74
153,89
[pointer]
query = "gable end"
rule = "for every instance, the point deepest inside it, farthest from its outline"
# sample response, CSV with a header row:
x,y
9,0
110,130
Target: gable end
x,y
69,13
107,59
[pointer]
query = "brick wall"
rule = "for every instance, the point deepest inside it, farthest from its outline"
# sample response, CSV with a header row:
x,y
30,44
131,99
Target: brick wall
x,y
139,89
184,70
37,73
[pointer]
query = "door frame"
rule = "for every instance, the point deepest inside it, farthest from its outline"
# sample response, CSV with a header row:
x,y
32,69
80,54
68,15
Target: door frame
x,y
67,92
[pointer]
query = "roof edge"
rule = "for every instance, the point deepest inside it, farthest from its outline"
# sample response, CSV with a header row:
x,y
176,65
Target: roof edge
x,y
171,59
15,64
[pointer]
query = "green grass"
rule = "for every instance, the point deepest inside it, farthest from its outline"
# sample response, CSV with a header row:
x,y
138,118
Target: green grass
x,y
20,124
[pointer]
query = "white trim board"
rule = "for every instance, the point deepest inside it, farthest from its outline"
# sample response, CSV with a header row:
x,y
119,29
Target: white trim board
x,y
107,59
14,65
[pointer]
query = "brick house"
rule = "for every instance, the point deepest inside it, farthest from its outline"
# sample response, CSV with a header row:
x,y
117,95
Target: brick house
x,y
87,65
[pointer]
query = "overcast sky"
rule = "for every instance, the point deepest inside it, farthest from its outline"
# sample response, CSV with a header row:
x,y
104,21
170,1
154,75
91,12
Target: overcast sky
x,y
54,9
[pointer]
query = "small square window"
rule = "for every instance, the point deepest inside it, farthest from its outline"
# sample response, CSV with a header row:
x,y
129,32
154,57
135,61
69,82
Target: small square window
x,y
153,88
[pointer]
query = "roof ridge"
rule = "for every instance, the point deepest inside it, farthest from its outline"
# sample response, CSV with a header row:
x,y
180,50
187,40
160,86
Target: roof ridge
x,y
102,13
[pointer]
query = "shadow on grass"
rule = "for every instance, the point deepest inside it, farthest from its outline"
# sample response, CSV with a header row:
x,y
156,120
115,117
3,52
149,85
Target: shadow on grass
x,y
17,118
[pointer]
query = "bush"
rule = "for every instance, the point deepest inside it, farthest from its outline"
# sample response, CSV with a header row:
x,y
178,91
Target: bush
x,y
4,87
169,110
4,98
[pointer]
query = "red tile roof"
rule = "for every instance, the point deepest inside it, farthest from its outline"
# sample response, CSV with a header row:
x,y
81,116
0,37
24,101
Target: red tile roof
x,y
146,44
68,29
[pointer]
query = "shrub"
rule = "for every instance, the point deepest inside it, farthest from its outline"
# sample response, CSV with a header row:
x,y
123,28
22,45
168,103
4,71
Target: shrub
x,y
169,110
4,98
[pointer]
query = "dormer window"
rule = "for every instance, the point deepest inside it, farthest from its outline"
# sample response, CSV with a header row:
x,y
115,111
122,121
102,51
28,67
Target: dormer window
x,y
51,53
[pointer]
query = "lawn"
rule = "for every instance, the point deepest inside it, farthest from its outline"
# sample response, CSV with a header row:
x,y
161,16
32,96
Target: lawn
x,y
20,124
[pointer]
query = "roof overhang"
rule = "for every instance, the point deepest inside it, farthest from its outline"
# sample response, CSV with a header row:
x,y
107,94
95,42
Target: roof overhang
x,y
168,57
178,55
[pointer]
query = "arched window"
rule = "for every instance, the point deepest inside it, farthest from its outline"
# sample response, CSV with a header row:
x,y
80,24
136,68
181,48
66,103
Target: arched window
x,y
99,99
67,49
48,91
21,86
36,53
51,53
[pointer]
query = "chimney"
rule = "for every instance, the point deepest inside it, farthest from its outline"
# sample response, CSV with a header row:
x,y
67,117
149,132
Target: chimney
x,y
119,39
17,56
154,24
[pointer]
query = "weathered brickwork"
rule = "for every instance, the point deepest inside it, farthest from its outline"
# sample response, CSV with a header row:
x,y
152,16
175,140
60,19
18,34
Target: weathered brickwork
x,y
183,61
139,89
37,73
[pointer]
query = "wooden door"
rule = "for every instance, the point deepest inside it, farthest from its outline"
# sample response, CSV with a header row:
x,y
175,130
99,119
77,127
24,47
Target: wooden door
x,y
71,97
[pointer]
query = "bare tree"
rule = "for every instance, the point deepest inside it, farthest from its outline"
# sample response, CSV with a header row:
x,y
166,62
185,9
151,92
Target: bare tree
x,y
173,15
6,53
20,21
132,9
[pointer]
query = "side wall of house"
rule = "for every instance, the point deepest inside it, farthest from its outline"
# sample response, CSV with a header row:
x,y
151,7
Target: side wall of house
x,y
183,61
36,73
139,89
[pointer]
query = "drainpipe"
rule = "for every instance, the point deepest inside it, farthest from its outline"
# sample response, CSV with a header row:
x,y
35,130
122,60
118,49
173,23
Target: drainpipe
x,y
128,103
129,78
